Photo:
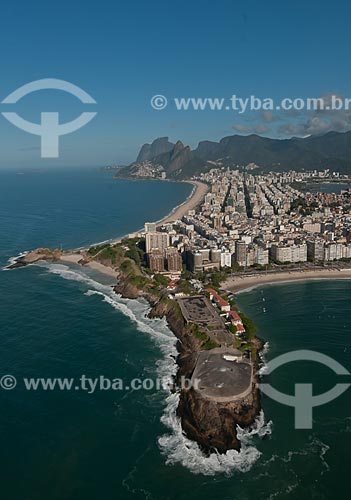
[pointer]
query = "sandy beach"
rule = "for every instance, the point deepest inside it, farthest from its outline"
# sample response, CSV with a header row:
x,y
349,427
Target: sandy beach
x,y
189,204
97,266
74,258
245,283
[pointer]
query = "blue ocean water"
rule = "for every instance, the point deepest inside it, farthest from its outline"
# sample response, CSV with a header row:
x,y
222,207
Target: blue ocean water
x,y
58,321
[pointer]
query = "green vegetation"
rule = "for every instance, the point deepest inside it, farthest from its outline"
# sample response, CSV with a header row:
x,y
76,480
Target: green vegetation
x,y
135,250
161,280
96,249
127,268
199,334
112,253
210,344
185,287
216,278
236,268
249,326
107,252
233,329
139,281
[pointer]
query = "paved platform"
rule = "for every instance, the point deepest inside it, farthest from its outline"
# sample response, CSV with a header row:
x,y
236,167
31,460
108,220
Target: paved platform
x,y
198,309
222,375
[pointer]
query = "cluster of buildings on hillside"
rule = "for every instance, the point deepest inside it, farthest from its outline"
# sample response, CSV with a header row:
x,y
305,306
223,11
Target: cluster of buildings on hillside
x,y
160,253
231,316
249,220
147,170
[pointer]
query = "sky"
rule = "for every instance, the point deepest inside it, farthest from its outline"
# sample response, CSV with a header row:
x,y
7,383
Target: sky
x,y
123,53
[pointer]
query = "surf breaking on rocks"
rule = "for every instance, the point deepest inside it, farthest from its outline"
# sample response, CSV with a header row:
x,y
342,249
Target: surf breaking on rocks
x,y
174,445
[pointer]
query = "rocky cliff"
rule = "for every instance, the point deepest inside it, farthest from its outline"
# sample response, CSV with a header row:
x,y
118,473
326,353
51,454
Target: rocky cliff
x,y
157,147
212,425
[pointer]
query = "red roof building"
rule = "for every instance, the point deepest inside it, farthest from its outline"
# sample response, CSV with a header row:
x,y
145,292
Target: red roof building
x,y
240,328
235,318
223,304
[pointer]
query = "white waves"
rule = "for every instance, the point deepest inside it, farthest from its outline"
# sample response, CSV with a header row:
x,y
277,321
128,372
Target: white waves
x,y
12,260
179,449
174,445
263,361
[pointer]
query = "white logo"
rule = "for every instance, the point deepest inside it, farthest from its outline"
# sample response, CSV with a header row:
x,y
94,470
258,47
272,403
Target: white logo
x,y
304,401
49,129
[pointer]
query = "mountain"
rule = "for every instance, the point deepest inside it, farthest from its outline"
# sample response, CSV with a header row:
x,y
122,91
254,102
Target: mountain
x,y
158,147
180,161
332,150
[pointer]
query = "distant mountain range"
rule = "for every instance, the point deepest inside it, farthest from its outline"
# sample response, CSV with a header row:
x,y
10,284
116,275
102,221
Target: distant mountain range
x,y
332,150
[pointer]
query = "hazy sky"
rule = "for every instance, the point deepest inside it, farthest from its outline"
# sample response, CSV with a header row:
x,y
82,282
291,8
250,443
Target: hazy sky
x,y
122,53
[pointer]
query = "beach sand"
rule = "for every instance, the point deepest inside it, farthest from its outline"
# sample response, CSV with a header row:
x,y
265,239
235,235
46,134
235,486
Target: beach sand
x,y
245,283
189,204
192,202
97,266
71,258
75,258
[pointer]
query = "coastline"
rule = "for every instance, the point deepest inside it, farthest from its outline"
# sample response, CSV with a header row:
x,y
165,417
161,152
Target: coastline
x,y
212,424
195,198
193,201
248,283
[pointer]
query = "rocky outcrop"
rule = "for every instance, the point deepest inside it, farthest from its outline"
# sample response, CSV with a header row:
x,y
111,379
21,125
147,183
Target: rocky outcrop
x,y
127,290
212,425
156,148
35,256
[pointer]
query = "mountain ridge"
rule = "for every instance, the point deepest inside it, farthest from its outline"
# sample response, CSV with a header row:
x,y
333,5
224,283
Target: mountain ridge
x,y
331,150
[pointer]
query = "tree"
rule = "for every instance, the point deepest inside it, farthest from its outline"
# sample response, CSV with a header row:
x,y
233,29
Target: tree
x,y
249,326
161,280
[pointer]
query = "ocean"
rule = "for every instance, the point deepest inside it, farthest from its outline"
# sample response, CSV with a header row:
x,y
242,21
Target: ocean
x,y
60,321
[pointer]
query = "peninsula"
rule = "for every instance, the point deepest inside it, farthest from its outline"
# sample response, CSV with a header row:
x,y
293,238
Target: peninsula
x,y
237,231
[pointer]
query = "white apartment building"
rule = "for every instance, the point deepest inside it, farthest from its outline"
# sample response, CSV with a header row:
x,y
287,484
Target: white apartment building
x,y
226,259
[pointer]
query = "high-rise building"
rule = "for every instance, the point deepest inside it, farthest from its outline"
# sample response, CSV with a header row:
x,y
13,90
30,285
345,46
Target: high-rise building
x,y
217,222
289,253
150,227
194,261
312,227
315,250
333,251
346,251
226,258
261,256
250,256
174,260
240,253
215,255
156,240
156,261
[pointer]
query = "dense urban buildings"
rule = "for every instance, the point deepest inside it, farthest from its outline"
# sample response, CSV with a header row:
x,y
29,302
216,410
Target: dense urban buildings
x,y
248,221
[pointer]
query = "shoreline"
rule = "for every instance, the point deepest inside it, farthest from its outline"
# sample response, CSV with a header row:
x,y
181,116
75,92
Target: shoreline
x,y
194,199
247,283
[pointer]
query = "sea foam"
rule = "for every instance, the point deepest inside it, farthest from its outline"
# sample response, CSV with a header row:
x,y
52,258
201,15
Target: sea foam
x,y
12,260
174,445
